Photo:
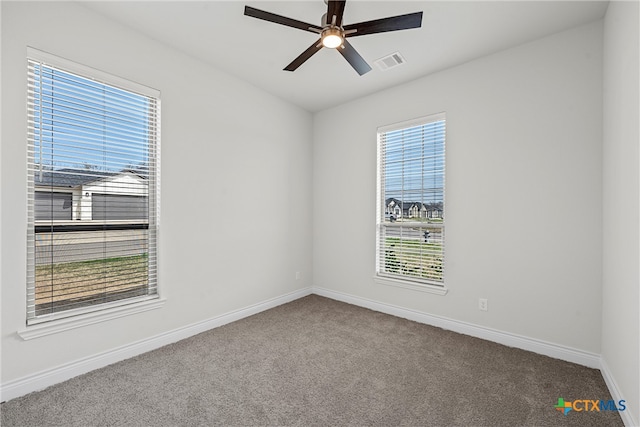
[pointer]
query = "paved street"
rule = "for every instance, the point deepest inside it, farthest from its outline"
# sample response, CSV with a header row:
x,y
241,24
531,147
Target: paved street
x,y
415,233
89,245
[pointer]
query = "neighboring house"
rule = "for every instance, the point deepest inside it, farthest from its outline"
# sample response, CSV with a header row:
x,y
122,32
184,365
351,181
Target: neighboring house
x,y
69,194
432,210
393,207
401,209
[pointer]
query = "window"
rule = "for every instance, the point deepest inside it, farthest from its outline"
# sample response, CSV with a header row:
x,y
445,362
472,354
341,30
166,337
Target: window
x,y
410,204
93,153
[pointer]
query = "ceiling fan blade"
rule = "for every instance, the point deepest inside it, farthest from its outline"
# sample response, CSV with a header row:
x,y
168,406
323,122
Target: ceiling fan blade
x,y
394,23
304,56
353,57
282,20
335,8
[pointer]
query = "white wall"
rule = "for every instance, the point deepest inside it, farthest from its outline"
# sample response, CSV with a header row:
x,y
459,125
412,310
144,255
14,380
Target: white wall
x,y
523,196
524,142
225,144
621,197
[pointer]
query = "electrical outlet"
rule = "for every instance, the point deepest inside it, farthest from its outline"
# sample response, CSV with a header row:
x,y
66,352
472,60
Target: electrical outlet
x,y
298,275
482,304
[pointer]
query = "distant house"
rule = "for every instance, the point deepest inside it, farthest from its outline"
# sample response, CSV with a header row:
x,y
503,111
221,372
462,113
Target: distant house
x,y
401,209
85,195
433,210
394,208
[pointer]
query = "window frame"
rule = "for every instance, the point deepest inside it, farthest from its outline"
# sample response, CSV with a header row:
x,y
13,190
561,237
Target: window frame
x,y
39,325
399,279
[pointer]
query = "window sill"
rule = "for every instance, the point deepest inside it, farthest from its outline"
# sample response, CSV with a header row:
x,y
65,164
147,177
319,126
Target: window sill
x,y
65,324
422,287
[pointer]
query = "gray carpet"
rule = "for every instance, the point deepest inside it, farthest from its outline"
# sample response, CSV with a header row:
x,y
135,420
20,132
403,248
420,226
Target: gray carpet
x,y
319,362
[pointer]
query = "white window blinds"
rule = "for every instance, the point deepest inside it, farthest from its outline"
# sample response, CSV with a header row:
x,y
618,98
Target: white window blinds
x,y
410,213
93,153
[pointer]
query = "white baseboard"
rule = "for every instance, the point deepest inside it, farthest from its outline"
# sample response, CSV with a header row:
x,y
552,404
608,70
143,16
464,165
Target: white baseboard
x,y
556,351
49,377
627,416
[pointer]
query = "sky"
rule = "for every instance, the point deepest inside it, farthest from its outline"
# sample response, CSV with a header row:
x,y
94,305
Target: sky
x,y
414,163
83,124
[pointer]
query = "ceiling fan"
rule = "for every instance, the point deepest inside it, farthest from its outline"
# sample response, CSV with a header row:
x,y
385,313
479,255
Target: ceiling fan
x,y
333,34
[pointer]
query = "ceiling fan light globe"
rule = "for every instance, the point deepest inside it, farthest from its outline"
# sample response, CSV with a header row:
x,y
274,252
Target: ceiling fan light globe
x,y
332,41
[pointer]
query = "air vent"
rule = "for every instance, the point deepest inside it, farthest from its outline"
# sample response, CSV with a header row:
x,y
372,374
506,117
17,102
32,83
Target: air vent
x,y
390,61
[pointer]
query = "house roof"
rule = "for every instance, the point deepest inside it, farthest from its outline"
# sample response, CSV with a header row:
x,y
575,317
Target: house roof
x,y
71,178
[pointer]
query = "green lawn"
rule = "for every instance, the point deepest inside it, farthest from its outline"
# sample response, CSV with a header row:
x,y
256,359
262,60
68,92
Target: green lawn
x,y
86,279
413,258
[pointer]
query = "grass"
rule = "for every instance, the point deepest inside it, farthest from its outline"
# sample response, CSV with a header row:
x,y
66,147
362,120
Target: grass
x,y
79,281
413,258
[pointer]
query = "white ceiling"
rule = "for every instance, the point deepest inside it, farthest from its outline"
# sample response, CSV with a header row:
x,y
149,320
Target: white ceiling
x,y
453,32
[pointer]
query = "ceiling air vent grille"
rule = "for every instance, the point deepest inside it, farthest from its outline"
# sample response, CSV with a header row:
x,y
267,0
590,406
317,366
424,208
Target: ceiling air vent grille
x,y
390,61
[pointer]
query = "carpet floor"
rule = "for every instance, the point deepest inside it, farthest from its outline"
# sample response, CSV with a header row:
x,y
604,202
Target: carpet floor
x,y
320,362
